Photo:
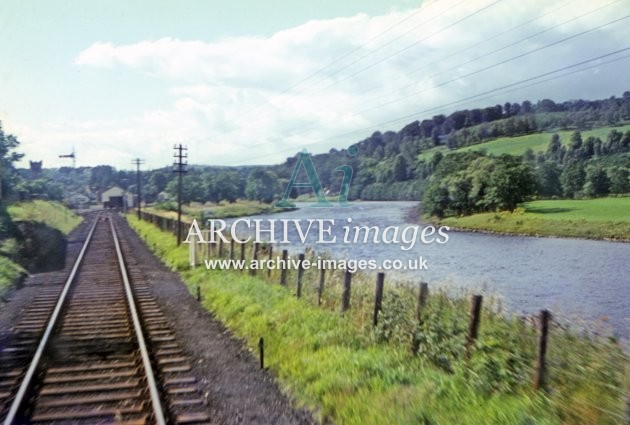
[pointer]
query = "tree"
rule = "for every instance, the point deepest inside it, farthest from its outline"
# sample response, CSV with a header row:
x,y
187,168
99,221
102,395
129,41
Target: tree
x,y
576,141
102,177
435,200
511,183
619,180
572,179
261,186
228,186
597,182
554,150
400,169
548,176
192,189
8,157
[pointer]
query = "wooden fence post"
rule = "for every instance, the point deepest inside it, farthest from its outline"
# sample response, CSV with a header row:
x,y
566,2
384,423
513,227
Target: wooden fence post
x,y
298,291
423,294
242,258
283,271
378,297
231,249
220,248
540,373
252,271
261,350
320,288
473,326
345,296
269,258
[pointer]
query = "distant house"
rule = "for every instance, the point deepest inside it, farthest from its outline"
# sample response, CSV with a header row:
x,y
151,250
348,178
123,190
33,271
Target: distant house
x,y
116,197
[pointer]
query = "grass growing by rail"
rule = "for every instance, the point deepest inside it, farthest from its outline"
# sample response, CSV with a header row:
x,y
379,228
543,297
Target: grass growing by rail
x,y
53,214
602,218
349,373
9,274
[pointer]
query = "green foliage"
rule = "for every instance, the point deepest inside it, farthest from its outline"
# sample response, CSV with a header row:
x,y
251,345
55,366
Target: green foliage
x,y
602,218
52,214
8,157
347,372
10,273
262,186
469,182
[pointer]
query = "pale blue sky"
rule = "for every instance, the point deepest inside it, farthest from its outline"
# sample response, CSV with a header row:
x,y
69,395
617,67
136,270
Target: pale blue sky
x,y
120,79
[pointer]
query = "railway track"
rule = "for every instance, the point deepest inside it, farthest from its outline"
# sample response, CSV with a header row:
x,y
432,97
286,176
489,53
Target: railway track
x,y
97,349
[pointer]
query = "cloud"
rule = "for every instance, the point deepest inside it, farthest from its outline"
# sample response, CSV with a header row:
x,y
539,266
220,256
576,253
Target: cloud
x,y
259,99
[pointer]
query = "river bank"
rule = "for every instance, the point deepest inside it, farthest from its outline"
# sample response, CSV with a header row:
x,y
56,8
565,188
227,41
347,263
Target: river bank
x,y
597,219
346,371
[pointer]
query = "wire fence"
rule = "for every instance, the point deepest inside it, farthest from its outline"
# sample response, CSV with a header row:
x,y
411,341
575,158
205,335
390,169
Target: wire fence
x,y
538,353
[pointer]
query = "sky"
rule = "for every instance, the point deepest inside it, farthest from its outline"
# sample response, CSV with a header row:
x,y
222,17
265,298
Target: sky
x,y
249,82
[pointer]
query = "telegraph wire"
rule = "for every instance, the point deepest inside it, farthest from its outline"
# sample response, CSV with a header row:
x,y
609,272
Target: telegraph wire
x,y
469,98
475,59
411,45
353,50
453,24
452,80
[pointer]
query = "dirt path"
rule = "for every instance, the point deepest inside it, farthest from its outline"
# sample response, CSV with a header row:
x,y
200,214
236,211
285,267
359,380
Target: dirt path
x,y
236,389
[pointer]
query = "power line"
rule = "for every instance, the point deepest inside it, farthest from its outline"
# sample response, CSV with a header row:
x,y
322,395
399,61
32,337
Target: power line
x,y
473,97
503,62
453,24
351,51
477,58
474,59
411,45
483,69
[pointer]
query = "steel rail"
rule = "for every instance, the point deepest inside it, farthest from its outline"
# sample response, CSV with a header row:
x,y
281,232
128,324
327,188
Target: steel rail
x,y
158,411
19,399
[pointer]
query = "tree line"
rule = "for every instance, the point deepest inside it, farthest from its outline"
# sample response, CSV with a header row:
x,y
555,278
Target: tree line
x,y
394,165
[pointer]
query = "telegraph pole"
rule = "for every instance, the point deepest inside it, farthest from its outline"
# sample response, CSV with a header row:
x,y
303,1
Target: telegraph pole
x,y
179,166
137,162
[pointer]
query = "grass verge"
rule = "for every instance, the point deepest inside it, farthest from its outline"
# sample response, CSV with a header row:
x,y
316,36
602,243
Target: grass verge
x,y
347,372
53,214
602,218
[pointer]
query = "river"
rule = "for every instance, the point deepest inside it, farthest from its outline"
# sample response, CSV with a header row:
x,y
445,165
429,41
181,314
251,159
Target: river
x,y
578,280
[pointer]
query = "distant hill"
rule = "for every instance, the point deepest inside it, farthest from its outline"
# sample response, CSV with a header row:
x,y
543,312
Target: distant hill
x,y
390,165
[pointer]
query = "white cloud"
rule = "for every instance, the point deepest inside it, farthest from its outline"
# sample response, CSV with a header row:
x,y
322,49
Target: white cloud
x,y
231,105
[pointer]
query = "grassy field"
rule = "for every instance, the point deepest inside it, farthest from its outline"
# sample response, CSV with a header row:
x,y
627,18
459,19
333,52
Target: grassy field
x,y
536,142
347,372
52,214
603,218
221,210
519,145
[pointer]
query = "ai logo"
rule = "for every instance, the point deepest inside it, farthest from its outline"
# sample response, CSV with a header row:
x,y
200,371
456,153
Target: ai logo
x,y
304,159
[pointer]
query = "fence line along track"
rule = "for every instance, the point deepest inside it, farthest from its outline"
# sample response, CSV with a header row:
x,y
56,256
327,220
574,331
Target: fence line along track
x,y
106,353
